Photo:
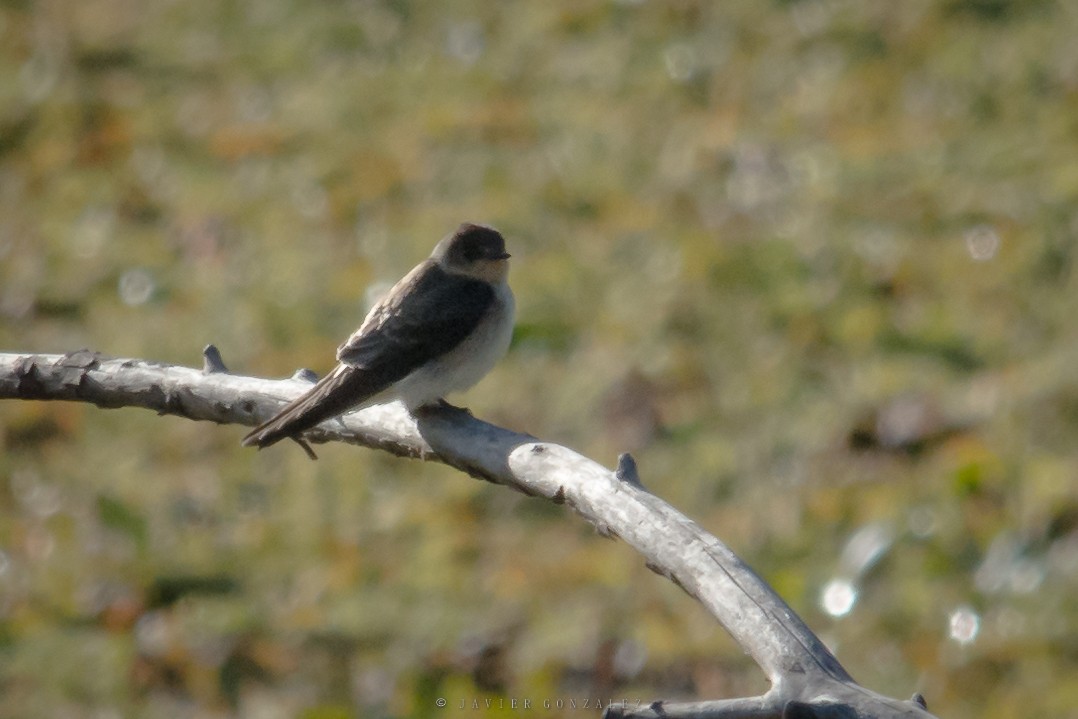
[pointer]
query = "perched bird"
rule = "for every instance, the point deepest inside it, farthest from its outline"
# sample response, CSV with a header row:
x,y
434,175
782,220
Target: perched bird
x,y
439,330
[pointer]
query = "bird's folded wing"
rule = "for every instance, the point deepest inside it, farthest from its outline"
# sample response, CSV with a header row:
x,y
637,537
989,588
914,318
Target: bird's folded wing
x,y
425,315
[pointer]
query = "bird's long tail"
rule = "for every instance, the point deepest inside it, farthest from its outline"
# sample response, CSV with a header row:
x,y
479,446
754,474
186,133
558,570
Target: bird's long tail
x,y
334,394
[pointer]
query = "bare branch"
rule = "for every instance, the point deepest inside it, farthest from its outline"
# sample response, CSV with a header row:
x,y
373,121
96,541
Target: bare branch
x,y
806,678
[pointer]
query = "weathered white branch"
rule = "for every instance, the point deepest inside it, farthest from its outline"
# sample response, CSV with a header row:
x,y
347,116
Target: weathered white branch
x,y
806,678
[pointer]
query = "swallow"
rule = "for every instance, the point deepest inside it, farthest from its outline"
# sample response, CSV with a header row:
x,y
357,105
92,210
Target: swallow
x,y
440,329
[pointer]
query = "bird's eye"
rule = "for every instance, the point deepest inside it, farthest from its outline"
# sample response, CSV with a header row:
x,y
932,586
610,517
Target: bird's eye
x,y
479,251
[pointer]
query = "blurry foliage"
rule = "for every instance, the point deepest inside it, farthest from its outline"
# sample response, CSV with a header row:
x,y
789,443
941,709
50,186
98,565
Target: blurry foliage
x,y
812,261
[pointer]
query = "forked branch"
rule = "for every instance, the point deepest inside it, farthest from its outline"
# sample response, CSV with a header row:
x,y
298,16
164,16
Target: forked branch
x,y
806,679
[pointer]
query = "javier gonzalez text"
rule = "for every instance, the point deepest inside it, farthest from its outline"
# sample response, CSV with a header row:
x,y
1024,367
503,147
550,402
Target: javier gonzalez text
x,y
529,704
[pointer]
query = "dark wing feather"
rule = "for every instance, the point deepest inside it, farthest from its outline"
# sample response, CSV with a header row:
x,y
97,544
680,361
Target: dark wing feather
x,y
425,315
334,394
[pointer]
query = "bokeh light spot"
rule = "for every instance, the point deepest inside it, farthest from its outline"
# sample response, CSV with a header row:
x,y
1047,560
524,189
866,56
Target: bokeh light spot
x,y
982,242
465,42
681,62
866,547
838,597
964,625
136,286
92,230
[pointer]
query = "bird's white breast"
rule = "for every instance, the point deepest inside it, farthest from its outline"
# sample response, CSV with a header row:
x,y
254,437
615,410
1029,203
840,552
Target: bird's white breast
x,y
468,362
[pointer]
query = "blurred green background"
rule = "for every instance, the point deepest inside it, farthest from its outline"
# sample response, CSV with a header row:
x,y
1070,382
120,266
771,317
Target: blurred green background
x,y
812,262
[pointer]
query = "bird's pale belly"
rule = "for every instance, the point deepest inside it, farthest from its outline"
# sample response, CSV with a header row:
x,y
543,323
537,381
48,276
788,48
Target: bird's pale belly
x,y
467,363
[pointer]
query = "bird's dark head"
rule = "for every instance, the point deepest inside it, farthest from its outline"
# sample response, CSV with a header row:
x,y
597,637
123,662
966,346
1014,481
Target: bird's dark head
x,y
474,250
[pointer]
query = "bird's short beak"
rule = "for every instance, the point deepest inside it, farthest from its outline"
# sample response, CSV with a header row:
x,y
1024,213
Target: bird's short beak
x,y
502,256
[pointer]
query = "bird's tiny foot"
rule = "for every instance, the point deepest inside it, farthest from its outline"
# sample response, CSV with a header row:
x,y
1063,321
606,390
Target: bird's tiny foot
x,y
306,447
439,406
454,408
